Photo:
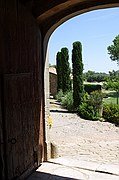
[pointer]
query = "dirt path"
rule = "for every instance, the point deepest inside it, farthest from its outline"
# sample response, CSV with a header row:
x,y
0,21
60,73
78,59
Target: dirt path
x,y
83,139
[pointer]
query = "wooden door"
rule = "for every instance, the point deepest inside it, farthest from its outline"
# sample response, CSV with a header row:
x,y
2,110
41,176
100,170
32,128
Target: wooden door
x,y
20,137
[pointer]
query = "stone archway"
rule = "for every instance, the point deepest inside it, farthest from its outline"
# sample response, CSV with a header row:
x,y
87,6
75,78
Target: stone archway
x,y
55,13
60,14
24,37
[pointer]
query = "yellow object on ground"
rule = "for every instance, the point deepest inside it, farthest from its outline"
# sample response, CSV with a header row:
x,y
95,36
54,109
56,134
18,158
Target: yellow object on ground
x,y
50,121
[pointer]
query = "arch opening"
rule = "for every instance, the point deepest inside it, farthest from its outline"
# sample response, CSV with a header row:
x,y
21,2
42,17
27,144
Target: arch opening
x,y
59,49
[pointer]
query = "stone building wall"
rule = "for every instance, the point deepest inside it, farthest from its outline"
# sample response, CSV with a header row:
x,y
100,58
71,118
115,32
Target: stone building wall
x,y
53,84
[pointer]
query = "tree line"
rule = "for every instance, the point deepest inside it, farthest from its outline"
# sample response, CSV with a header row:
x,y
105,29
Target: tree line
x,y
92,76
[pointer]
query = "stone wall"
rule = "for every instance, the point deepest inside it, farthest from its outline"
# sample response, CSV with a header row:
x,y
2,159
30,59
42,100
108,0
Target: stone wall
x,y
53,84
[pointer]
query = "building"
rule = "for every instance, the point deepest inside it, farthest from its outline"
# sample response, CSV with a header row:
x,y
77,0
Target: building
x,y
53,81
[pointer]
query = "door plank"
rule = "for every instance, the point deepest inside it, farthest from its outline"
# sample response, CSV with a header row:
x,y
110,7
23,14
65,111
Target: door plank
x,y
19,121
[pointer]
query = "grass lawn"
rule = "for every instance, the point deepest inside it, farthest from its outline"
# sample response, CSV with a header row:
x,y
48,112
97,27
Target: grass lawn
x,y
111,97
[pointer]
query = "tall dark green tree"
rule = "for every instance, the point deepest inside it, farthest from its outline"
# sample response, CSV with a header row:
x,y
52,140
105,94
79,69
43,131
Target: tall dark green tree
x,y
66,80
59,71
78,87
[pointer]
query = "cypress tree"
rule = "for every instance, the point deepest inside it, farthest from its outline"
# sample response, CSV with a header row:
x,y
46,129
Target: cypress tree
x,y
59,71
77,65
66,80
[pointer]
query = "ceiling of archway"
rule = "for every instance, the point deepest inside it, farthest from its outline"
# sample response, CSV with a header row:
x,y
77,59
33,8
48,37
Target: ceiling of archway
x,y
51,12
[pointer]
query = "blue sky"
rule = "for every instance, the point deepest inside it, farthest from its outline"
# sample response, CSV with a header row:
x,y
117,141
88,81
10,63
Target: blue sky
x,y
96,31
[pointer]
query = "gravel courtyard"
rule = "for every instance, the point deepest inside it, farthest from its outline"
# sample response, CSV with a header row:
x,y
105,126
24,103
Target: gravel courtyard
x,y
83,139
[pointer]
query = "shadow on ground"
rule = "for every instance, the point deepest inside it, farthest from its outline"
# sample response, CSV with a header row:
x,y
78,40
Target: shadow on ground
x,y
46,176
59,111
55,102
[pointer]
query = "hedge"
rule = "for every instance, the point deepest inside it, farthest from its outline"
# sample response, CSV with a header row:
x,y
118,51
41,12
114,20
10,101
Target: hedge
x,y
92,87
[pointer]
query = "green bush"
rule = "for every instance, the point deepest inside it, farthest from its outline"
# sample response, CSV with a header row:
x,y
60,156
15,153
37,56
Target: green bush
x,y
67,100
111,113
90,108
96,100
87,111
92,87
59,95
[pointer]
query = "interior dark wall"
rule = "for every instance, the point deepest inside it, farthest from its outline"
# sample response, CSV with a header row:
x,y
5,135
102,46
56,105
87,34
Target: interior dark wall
x,y
21,89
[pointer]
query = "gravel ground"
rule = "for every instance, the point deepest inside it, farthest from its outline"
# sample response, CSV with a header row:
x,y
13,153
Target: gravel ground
x,y
83,139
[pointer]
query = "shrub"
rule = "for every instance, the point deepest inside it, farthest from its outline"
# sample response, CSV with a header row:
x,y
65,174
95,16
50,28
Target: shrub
x,y
111,113
59,95
67,100
91,87
96,100
90,108
87,111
